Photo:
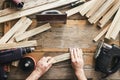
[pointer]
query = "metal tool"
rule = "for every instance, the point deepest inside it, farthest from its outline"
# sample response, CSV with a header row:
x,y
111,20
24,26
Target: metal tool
x,y
52,16
77,3
107,58
7,56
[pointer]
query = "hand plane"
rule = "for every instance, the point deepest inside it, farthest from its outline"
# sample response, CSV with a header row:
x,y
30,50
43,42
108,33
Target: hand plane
x,y
107,58
52,16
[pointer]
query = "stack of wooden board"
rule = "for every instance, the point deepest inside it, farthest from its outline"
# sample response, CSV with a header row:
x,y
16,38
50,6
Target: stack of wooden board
x,y
101,12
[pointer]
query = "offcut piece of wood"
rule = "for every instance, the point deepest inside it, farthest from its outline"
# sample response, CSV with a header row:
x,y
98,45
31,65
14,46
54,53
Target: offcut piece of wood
x,y
114,22
18,45
95,7
27,5
12,31
76,9
33,32
86,7
115,30
109,14
66,56
104,8
101,33
30,11
23,28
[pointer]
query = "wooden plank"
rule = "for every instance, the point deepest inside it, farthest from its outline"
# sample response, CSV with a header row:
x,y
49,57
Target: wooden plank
x,y
109,14
105,7
27,12
86,7
18,45
116,30
66,56
98,4
115,20
33,32
27,5
101,33
73,11
12,31
76,9
24,27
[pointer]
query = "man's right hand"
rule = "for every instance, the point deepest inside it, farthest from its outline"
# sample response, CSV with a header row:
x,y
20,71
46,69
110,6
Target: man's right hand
x,y
78,63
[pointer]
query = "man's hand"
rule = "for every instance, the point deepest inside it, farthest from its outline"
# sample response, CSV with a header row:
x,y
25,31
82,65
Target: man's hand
x,y
78,63
42,66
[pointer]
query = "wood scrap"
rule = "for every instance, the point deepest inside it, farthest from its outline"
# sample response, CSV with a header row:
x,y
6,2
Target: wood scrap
x,y
33,32
27,12
18,45
23,28
101,33
7,27
12,31
105,7
115,20
116,30
86,7
27,5
66,56
77,9
94,8
109,14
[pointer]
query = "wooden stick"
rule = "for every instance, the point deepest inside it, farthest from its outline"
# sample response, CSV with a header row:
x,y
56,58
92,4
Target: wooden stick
x,y
115,20
101,33
12,31
86,7
105,7
27,12
109,14
73,10
27,5
18,45
88,59
33,32
23,28
98,4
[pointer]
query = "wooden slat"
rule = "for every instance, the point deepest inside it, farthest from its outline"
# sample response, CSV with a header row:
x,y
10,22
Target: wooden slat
x,y
27,5
86,7
95,7
7,27
18,45
101,33
109,14
12,31
23,28
66,56
33,32
115,20
27,12
105,7
116,30
73,11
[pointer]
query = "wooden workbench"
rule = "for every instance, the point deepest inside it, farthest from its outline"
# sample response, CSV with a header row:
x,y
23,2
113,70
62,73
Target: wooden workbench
x,y
77,32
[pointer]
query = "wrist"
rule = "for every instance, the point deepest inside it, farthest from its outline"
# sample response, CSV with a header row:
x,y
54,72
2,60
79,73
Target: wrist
x,y
80,74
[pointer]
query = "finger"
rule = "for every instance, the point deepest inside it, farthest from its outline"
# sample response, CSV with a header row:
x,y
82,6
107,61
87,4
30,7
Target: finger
x,y
71,52
75,54
80,53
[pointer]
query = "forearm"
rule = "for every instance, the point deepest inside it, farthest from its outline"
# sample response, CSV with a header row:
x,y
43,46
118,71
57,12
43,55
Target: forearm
x,y
80,75
35,75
